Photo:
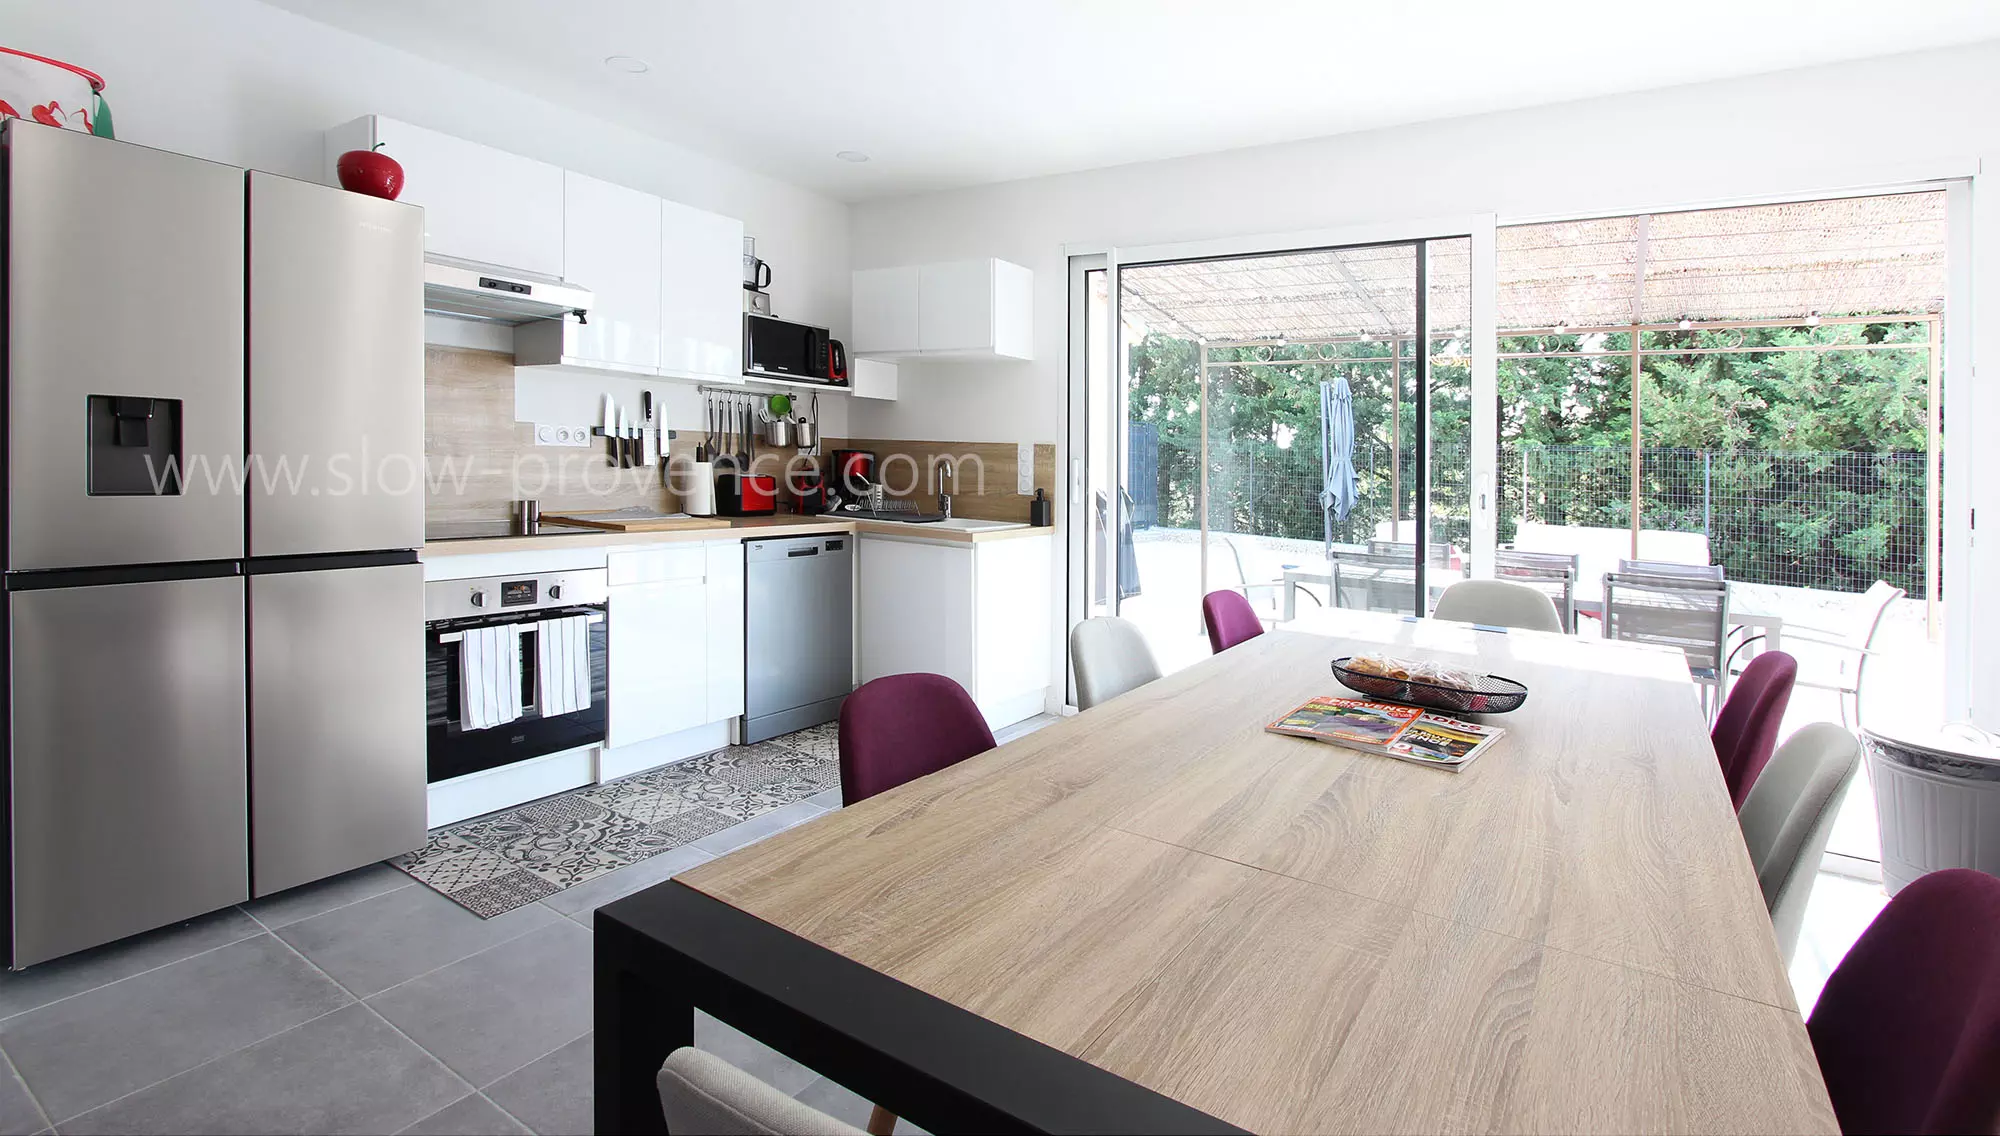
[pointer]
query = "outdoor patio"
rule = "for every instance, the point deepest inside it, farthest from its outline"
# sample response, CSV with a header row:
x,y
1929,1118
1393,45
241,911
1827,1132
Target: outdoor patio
x,y
1904,685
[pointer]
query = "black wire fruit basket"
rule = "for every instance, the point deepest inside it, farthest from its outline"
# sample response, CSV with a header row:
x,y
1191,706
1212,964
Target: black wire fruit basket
x,y
1489,694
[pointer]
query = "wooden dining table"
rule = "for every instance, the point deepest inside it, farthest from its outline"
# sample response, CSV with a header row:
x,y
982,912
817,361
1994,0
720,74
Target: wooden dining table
x,y
1157,916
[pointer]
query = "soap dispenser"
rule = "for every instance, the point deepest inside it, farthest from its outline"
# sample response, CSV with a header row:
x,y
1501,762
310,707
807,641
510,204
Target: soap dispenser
x,y
1038,510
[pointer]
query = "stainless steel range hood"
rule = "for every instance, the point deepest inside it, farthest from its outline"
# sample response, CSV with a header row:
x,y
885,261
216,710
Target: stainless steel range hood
x,y
481,291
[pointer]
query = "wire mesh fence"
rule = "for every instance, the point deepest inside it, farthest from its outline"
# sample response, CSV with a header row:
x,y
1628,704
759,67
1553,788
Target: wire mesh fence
x,y
1835,521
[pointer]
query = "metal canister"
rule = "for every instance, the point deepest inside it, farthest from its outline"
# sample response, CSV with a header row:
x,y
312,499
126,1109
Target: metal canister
x,y
527,516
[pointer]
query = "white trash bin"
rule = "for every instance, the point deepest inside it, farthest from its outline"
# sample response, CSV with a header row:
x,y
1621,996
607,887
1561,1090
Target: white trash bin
x,y
1937,801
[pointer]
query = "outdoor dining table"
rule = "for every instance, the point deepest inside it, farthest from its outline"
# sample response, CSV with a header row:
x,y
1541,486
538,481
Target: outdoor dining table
x,y
1156,916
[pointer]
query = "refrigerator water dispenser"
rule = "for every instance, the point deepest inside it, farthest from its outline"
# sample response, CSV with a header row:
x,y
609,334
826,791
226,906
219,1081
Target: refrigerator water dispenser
x,y
135,446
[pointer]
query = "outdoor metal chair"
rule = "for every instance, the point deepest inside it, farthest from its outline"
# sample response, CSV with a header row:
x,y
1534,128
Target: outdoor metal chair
x,y
1674,611
1272,591
1551,573
1841,659
1374,581
1670,568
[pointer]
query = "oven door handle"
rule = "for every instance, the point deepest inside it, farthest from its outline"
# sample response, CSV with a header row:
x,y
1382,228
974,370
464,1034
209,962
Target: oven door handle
x,y
458,636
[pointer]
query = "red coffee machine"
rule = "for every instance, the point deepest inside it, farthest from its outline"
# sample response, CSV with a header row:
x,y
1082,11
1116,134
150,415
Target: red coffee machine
x,y
853,472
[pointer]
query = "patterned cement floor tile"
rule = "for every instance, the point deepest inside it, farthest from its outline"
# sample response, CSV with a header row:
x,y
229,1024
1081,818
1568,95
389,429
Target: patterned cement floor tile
x,y
495,863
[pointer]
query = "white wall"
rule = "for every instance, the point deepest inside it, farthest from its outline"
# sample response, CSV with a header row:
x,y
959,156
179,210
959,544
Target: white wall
x,y
240,82
1851,125
1797,131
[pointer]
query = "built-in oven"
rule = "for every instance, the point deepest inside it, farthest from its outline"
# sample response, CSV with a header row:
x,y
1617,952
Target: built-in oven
x,y
524,608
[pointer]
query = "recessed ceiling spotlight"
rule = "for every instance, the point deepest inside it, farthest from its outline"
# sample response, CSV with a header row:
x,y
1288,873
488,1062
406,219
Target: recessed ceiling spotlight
x,y
626,65
854,156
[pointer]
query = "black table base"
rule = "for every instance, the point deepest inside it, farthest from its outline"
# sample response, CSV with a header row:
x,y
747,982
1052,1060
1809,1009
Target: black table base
x,y
665,952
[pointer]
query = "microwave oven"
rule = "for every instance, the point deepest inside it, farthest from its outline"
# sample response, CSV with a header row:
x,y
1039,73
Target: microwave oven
x,y
786,350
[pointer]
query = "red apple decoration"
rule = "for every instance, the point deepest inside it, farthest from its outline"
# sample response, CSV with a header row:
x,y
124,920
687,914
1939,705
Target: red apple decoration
x,y
371,172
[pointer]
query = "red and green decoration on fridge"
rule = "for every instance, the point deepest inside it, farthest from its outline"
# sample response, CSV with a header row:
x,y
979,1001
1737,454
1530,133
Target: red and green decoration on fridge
x,y
52,93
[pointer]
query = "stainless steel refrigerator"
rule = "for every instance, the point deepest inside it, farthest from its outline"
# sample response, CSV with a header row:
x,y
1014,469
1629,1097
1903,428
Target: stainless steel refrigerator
x,y
214,457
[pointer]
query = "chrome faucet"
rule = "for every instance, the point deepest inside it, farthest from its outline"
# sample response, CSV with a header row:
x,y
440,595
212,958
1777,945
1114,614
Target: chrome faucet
x,y
944,499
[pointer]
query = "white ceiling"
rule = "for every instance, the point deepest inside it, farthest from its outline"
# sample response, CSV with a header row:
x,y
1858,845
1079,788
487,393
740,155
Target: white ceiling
x,y
947,93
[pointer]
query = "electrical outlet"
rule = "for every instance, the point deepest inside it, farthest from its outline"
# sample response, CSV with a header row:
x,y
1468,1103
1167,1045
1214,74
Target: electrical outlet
x,y
1024,468
557,435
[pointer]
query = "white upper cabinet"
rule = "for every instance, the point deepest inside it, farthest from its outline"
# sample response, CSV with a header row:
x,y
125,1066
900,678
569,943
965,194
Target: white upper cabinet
x,y
479,203
885,311
961,309
701,294
611,237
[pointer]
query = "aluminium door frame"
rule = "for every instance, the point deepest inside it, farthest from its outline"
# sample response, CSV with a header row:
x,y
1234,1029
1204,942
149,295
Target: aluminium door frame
x,y
1483,466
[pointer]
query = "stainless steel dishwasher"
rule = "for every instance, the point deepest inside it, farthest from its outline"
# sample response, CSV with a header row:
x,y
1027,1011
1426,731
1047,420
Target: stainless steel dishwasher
x,y
798,632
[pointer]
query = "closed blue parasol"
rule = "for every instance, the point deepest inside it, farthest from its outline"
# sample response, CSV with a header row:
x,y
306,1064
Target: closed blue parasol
x,y
1337,493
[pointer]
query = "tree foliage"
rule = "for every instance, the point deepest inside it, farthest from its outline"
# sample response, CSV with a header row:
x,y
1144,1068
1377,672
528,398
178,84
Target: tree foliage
x,y
1804,467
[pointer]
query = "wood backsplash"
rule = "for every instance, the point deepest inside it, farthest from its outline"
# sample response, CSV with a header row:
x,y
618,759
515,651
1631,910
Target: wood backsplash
x,y
481,460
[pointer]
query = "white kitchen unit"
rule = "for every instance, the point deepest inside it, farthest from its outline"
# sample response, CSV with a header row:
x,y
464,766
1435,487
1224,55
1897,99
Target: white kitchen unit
x,y
977,612
960,309
611,238
701,294
871,378
675,650
479,203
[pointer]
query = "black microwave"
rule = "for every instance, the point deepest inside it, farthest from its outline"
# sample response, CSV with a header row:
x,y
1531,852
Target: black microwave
x,y
786,350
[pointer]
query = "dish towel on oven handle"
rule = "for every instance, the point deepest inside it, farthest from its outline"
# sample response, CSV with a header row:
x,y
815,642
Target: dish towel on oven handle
x,y
489,677
562,665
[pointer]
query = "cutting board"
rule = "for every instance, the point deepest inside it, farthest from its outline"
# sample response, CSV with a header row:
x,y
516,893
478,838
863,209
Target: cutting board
x,y
638,518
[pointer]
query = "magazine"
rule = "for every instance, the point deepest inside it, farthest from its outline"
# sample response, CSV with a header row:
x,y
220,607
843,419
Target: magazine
x,y
1347,721
1436,740
1403,732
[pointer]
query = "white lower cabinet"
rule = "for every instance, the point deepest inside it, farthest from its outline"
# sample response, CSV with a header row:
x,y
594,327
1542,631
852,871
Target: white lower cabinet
x,y
724,597
977,613
675,645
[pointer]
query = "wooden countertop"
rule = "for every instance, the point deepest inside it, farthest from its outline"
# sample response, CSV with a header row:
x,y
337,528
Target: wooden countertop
x,y
719,527
1294,937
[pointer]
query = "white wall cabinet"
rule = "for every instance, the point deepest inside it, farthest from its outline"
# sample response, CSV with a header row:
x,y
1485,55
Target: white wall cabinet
x,y
871,378
977,613
960,309
701,294
675,643
609,237
479,203
885,310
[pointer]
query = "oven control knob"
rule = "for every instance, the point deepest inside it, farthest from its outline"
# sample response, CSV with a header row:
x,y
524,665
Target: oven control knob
x,y
478,598
555,591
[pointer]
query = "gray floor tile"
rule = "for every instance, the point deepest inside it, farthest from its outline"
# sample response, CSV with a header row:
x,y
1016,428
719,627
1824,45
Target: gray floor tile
x,y
87,970
374,944
750,1055
492,1013
837,1102
473,1115
345,1072
828,799
308,900
579,901
18,1111
81,1052
758,827
553,1095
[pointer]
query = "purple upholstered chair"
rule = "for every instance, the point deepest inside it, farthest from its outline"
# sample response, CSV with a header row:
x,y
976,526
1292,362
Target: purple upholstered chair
x,y
1746,730
1230,619
1908,1027
900,727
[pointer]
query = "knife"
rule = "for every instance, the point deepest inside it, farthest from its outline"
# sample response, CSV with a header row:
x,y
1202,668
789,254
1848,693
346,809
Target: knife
x,y
610,429
648,444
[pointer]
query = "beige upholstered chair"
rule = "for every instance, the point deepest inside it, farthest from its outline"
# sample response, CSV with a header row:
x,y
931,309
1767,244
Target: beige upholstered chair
x,y
1111,658
701,1092
1497,603
1788,816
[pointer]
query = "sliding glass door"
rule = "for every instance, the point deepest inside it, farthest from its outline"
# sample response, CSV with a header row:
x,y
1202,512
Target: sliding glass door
x,y
1294,426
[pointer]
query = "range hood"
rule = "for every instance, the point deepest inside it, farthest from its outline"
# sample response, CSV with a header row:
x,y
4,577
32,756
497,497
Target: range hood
x,y
482,291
